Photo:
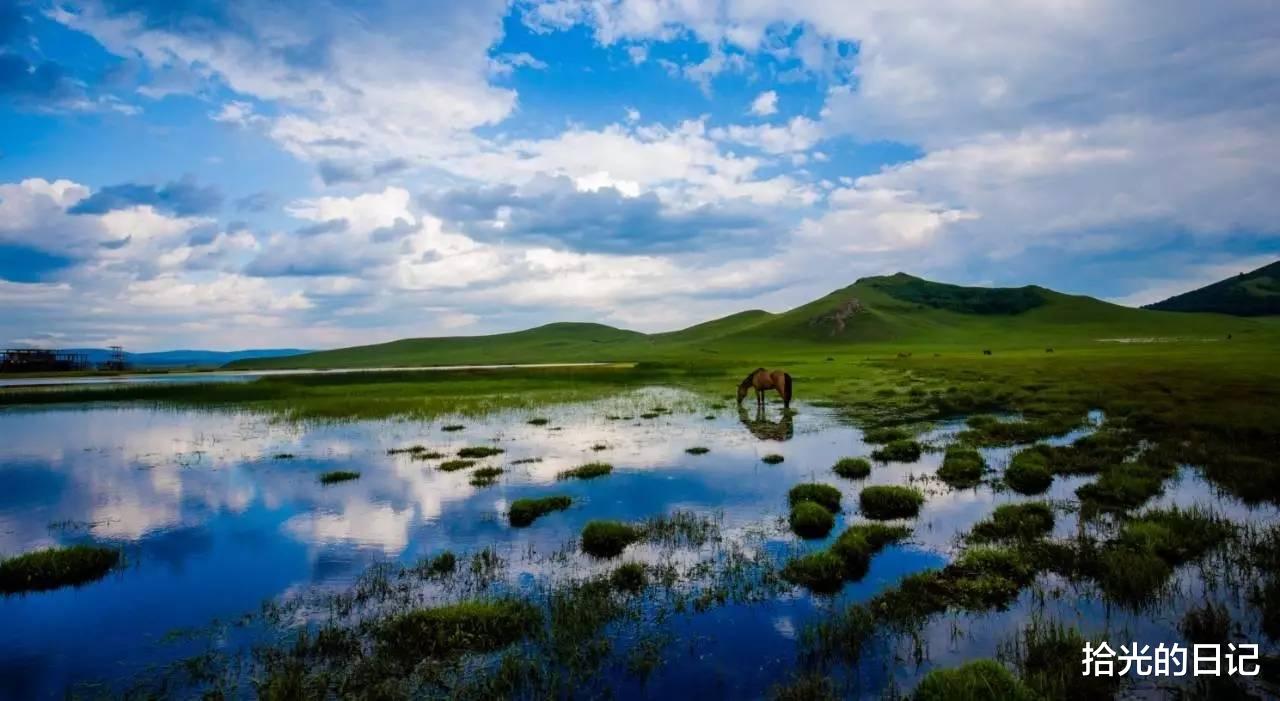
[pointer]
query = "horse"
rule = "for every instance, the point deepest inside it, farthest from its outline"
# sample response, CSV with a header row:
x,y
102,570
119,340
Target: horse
x,y
763,380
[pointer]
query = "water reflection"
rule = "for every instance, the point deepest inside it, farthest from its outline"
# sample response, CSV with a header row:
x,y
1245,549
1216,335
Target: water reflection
x,y
214,520
766,430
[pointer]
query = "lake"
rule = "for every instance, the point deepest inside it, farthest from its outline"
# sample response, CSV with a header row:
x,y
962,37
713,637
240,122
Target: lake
x,y
219,511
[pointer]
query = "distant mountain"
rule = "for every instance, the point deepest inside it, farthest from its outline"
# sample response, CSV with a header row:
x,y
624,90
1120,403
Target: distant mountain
x,y
188,358
1247,294
899,309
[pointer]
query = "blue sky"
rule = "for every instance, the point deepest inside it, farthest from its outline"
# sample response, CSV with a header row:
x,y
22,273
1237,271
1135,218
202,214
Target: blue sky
x,y
202,174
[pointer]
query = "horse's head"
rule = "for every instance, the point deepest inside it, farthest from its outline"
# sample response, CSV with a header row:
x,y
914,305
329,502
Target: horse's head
x,y
742,391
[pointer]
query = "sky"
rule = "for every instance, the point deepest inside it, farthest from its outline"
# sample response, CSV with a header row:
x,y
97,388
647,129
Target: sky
x,y
196,174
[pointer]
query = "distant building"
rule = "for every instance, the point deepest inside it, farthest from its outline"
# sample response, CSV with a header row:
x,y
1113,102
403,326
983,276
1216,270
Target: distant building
x,y
41,360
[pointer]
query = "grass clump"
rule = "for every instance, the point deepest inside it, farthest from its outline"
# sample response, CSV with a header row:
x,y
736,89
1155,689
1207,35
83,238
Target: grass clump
x,y
1123,487
524,512
1138,562
1028,471
538,421
772,459
1015,522
455,465
884,502
448,631
697,450
824,495
485,476
52,568
585,472
479,451
811,520
852,468
649,415
990,431
1047,656
451,428
608,538
858,544
980,680
962,467
410,450
442,565
822,571
337,476
898,451
629,577
885,434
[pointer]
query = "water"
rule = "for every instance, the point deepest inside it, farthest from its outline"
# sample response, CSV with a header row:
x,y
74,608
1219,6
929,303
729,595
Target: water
x,y
213,522
243,375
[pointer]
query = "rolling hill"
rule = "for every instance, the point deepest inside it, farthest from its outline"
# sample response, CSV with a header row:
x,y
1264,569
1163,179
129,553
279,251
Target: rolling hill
x,y
895,311
1248,294
187,358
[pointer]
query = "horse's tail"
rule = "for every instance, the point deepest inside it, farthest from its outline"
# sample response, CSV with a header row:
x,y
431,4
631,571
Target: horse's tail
x,y
786,391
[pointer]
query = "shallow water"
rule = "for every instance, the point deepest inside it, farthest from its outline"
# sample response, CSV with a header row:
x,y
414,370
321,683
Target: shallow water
x,y
213,520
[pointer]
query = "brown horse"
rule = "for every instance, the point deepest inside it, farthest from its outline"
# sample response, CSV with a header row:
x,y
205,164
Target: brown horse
x,y
763,380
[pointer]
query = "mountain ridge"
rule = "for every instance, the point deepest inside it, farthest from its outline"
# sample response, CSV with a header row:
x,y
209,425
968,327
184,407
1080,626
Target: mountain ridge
x,y
1255,293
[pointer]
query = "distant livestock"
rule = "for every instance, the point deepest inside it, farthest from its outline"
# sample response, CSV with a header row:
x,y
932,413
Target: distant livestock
x,y
986,351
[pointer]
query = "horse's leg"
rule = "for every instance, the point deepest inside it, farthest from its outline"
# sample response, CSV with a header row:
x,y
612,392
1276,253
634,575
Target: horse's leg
x,y
760,398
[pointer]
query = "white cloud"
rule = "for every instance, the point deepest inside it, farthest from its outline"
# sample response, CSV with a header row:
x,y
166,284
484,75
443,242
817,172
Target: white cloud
x,y
765,104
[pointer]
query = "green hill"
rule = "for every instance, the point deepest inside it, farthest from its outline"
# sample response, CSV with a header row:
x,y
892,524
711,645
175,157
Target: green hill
x,y
897,312
1247,294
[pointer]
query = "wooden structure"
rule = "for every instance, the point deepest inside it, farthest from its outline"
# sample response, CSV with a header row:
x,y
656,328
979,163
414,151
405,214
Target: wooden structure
x,y
41,360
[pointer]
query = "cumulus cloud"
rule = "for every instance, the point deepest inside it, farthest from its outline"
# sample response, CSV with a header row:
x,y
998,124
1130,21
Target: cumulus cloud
x,y
181,197
765,104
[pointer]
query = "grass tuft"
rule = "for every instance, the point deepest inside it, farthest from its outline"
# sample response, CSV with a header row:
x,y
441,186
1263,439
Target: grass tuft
x,y
629,577
452,427
1015,522
821,571
980,680
811,520
455,465
772,459
886,434
898,451
585,472
608,538
53,568
884,502
852,468
485,476
524,512
538,421
448,631
337,476
697,450
1028,471
962,467
824,495
479,451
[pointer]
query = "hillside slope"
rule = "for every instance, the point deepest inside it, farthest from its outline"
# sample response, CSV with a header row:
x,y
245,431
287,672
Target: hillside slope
x,y
1255,293
898,311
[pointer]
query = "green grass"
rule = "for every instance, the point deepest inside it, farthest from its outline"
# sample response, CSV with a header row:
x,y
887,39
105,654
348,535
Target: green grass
x,y
1028,471
697,450
479,451
810,520
980,680
588,471
822,571
53,568
823,495
886,434
1015,521
485,476
629,577
962,467
1124,486
523,512
448,631
337,476
884,502
772,459
1047,656
852,468
451,428
455,465
605,539
857,544
538,421
902,450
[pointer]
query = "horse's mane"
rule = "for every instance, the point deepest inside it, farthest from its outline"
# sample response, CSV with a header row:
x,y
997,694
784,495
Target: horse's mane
x,y
750,375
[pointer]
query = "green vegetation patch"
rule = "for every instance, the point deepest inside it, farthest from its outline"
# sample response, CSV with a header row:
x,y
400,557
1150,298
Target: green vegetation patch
x,y
697,450
884,502
886,434
1124,486
485,476
772,459
608,538
962,467
1015,522
448,631
538,421
629,577
524,512
479,451
811,520
898,451
822,571
859,543
987,430
337,476
980,680
455,465
52,568
956,298
452,427
824,495
1028,471
1047,656
585,472
852,468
